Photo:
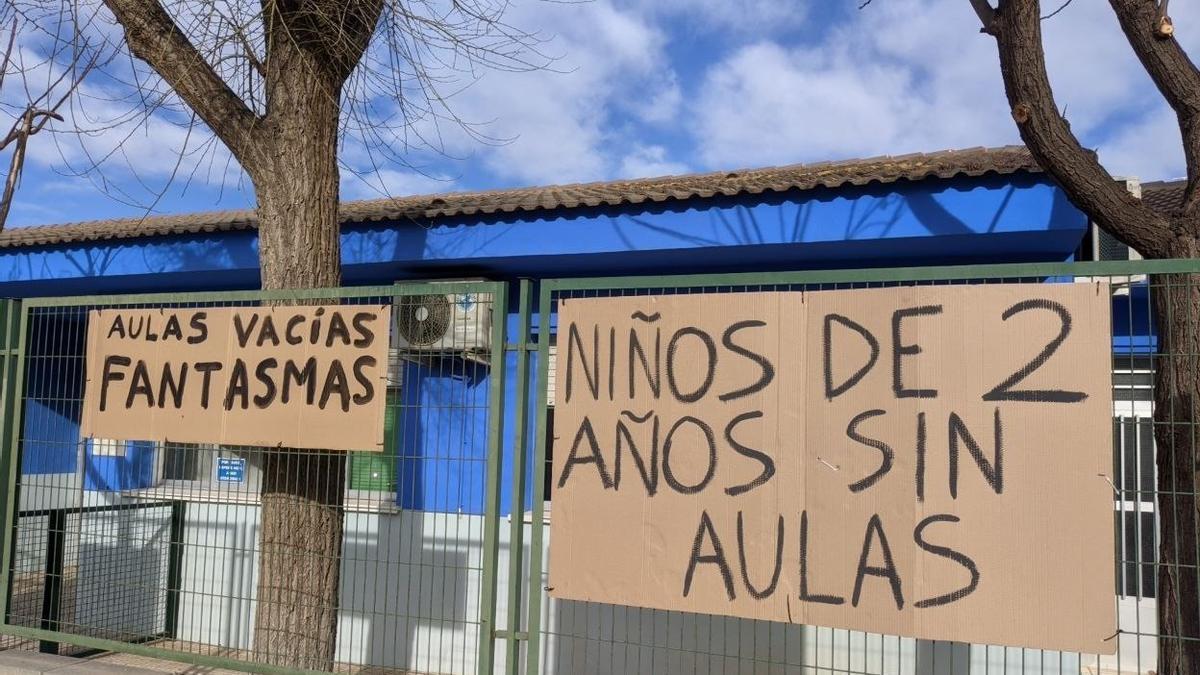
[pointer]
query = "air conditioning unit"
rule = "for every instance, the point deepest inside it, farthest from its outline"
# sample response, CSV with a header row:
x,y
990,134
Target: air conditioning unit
x,y
452,322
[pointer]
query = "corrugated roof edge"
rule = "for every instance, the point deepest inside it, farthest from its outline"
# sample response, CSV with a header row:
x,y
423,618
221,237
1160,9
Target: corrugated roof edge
x,y
881,170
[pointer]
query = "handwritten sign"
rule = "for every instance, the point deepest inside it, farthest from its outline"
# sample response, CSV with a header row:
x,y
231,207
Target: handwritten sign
x,y
296,377
927,461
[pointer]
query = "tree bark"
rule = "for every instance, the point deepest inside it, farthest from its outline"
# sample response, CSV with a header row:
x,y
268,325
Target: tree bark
x,y
1176,412
296,182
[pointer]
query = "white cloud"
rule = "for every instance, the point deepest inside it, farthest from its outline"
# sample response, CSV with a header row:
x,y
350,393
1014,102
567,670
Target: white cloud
x,y
560,121
391,183
649,161
913,75
757,17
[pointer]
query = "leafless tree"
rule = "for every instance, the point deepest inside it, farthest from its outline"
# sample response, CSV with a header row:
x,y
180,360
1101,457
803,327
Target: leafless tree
x,y
1016,27
282,84
31,113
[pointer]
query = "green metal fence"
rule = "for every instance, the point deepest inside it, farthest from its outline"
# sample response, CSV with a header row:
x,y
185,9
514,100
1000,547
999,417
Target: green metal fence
x,y
444,556
152,547
569,636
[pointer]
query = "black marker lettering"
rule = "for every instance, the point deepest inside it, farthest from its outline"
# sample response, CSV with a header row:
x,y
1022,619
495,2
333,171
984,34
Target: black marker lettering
x,y
306,377
888,571
887,455
135,333
768,464
1005,392
832,392
335,383
172,328
649,473
118,328
993,472
289,332
804,594
361,323
900,350
264,400
948,553
710,441
244,330
368,392
111,375
766,370
267,332
239,385
921,456
593,376
207,368
199,324
717,557
593,457
337,329
314,332
741,540
653,379
168,381
139,383
709,369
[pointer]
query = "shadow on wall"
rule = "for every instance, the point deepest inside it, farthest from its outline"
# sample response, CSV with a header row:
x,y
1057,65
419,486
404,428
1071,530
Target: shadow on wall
x,y
410,591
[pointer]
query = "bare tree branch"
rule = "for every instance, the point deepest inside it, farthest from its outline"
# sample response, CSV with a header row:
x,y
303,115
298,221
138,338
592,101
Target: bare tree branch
x,y
1023,66
154,37
1176,77
985,12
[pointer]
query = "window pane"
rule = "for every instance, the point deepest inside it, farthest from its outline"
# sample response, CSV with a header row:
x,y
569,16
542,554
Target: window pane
x,y
1149,555
181,461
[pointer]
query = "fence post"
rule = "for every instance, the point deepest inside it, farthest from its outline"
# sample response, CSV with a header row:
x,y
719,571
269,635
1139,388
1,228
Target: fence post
x,y
517,520
12,343
495,459
534,611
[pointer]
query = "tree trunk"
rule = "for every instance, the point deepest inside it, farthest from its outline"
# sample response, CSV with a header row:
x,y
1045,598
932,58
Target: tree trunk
x,y
1176,412
300,543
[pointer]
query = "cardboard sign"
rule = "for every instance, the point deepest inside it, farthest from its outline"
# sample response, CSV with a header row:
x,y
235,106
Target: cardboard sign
x,y
919,461
293,377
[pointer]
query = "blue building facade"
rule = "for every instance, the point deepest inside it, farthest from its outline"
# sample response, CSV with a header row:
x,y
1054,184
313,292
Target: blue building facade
x,y
955,207
958,207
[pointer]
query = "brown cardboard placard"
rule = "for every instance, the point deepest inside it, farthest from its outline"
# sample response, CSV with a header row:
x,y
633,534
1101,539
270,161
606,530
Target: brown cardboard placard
x,y
293,377
921,461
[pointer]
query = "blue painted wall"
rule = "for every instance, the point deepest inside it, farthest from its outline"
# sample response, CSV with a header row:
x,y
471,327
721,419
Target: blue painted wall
x,y
442,426
999,218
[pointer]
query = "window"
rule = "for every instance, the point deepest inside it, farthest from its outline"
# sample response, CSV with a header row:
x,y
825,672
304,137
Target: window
x,y
548,477
196,467
181,461
1134,501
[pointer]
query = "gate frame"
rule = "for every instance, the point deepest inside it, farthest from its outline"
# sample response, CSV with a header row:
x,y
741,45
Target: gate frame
x,y
14,320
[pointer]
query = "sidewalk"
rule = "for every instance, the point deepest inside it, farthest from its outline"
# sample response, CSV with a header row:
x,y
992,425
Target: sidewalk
x,y
15,662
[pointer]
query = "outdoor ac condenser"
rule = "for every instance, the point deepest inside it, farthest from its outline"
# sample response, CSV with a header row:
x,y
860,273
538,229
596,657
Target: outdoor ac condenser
x,y
454,322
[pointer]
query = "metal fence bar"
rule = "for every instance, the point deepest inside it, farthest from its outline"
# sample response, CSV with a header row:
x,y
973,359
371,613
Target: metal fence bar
x,y
516,547
536,535
491,550
10,447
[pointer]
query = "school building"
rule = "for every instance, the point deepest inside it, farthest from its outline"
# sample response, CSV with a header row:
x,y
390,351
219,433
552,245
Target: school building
x,y
443,570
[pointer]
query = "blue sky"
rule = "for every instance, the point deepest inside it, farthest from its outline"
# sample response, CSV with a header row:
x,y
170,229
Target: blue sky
x,y
655,87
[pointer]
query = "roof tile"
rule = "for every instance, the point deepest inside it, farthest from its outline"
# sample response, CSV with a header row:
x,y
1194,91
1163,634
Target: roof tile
x,y
912,167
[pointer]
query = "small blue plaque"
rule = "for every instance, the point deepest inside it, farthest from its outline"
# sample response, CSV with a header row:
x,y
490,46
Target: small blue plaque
x,y
231,470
